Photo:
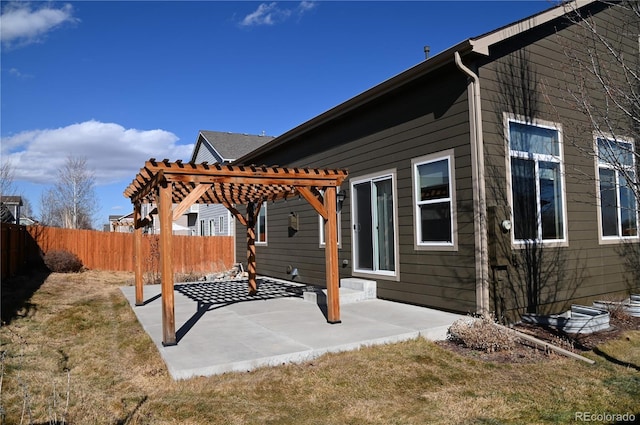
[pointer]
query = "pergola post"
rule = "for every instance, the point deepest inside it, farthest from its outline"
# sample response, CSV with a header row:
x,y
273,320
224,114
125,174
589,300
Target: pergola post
x,y
331,256
251,247
165,214
137,253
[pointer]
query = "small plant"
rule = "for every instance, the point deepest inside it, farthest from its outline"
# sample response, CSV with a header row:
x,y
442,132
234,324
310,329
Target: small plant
x,y
62,262
481,334
189,277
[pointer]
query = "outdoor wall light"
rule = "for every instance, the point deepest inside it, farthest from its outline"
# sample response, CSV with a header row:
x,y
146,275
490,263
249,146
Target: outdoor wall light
x,y
505,225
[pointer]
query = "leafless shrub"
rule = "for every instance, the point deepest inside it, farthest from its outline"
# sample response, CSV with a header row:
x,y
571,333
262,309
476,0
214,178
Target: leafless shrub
x,y
188,277
62,262
481,334
616,307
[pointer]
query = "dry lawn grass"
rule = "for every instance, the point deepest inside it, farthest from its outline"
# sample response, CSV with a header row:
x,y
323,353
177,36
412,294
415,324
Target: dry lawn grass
x,y
80,328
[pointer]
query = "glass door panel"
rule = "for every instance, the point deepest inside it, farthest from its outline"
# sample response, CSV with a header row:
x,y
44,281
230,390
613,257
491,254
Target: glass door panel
x,y
384,225
362,227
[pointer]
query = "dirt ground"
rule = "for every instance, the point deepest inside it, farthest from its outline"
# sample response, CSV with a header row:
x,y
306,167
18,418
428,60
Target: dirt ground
x,y
526,352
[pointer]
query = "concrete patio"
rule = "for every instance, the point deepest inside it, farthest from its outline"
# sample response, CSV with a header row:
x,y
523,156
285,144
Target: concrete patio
x,y
221,329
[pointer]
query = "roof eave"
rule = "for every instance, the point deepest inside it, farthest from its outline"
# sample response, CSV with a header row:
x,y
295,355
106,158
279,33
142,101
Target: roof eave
x,y
479,45
381,89
482,43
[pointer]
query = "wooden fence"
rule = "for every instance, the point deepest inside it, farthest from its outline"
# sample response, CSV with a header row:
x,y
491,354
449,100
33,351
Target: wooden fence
x,y
13,249
114,251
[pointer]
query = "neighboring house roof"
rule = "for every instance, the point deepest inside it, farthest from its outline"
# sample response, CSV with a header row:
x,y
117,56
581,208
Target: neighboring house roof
x,y
5,214
227,147
120,217
479,46
12,200
26,221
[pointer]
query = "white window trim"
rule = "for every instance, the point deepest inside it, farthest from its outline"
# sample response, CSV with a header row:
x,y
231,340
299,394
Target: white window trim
x,y
266,234
221,225
607,240
231,223
321,238
517,243
212,229
395,275
419,245
202,228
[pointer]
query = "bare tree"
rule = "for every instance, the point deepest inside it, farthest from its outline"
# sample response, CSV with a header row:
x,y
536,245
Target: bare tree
x,y
529,274
72,201
605,67
26,209
6,178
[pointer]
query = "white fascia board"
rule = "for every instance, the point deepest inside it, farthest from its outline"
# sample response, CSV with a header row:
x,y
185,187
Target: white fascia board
x,y
481,44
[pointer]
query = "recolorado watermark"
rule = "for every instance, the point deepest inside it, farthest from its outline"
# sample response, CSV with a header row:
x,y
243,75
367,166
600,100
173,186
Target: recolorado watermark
x,y
604,417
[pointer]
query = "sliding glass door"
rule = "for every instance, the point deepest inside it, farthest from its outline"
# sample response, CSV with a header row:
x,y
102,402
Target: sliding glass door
x,y
374,235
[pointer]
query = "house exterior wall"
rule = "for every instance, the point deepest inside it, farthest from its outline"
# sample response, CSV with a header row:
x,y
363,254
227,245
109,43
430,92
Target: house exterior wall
x,y
217,220
424,117
525,78
206,154
530,78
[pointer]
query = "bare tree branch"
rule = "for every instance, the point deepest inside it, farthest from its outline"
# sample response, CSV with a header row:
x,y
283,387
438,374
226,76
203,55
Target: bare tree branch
x,y
72,201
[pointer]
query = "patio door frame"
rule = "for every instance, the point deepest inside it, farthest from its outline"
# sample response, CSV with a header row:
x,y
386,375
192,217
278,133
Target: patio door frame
x,y
375,271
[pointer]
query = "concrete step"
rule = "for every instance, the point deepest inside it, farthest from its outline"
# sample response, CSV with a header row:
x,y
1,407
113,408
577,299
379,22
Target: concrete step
x,y
352,290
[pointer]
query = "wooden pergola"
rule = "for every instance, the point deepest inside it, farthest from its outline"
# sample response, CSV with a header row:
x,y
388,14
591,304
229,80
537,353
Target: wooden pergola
x,y
166,184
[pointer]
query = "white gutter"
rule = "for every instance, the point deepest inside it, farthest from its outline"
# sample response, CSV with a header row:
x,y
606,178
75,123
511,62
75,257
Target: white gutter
x,y
478,183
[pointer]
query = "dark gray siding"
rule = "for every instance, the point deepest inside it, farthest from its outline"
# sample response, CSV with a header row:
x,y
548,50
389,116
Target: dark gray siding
x,y
584,269
424,117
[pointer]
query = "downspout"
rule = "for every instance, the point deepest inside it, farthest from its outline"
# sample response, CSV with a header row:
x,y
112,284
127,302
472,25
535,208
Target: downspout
x,y
479,192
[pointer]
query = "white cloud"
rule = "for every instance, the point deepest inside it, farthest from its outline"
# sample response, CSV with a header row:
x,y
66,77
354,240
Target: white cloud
x,y
305,6
271,14
19,24
265,14
113,153
15,72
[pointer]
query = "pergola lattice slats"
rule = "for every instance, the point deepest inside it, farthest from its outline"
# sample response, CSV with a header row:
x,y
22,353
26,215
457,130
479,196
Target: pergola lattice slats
x,y
167,183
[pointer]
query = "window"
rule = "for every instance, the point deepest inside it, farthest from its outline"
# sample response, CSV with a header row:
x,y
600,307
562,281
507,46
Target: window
x,y
434,200
618,215
203,229
537,183
321,226
261,225
321,222
374,218
212,229
221,227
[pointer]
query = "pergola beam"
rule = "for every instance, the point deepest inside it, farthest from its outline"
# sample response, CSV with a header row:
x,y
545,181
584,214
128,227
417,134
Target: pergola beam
x,y
190,199
314,202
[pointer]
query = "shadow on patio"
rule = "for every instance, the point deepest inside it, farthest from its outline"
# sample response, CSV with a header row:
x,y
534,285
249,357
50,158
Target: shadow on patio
x,y
210,296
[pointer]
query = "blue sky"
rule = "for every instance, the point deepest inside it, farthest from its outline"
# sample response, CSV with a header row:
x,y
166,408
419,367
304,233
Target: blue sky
x,y
119,82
